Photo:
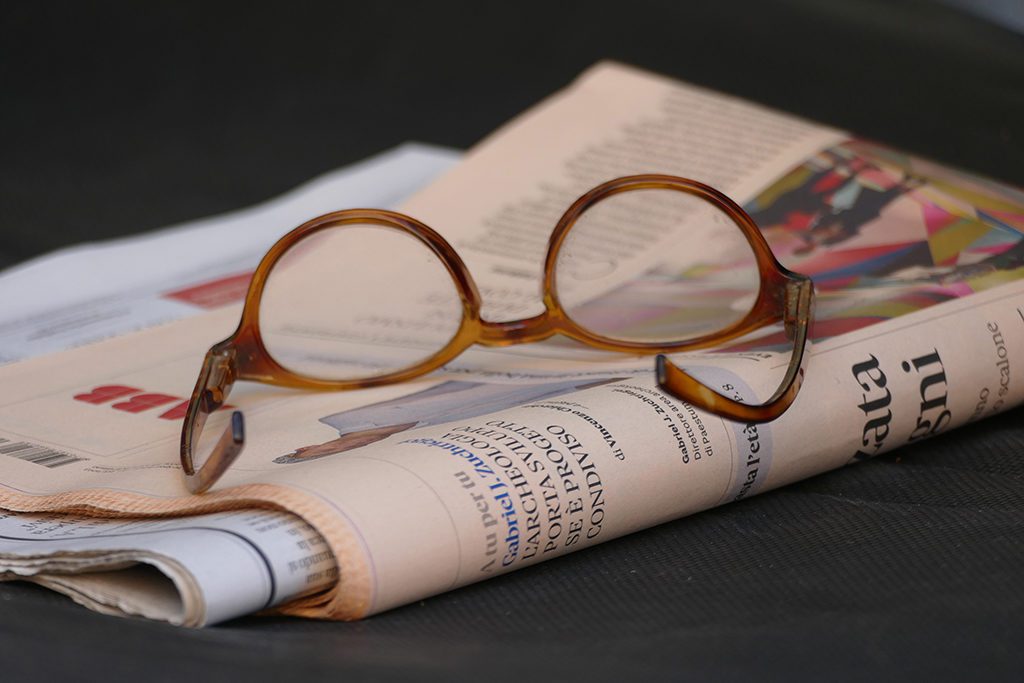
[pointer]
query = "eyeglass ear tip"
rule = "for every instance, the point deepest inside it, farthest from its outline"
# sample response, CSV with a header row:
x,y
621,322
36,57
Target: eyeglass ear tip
x,y
237,427
661,368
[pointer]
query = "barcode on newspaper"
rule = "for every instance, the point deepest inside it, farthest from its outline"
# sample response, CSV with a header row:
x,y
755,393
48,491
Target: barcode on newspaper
x,y
40,455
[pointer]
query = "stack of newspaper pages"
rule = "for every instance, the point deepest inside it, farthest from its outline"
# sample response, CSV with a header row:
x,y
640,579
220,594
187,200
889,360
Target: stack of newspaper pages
x,y
345,504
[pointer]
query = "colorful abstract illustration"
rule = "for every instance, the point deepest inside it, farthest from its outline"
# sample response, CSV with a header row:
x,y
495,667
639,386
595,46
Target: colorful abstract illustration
x,y
884,233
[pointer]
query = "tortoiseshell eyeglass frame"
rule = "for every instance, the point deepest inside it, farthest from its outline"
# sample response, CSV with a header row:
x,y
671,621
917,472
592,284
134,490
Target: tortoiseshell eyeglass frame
x,y
783,297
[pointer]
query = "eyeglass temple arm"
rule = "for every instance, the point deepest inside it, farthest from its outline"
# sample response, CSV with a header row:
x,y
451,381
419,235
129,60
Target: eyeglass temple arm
x,y
216,378
227,449
798,313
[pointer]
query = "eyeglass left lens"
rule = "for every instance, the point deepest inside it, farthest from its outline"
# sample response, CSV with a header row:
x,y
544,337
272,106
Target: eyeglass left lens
x,y
352,302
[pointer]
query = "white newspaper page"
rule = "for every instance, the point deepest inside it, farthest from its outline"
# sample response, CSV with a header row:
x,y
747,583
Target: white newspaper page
x,y
512,456
190,571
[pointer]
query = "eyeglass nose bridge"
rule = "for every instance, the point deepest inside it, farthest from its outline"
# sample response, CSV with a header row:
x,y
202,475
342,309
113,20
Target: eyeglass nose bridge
x,y
506,333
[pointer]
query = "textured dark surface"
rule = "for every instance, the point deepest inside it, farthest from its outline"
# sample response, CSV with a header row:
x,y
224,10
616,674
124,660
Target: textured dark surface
x,y
124,117
120,118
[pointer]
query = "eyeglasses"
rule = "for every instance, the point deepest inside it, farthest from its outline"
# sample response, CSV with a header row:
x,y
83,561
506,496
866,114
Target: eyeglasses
x,y
642,264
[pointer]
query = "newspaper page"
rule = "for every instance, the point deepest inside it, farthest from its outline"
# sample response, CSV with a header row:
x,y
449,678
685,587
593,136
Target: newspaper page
x,y
190,571
513,456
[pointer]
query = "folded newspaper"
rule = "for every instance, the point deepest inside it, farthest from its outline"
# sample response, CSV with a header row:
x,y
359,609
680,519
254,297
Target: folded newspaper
x,y
345,504
174,569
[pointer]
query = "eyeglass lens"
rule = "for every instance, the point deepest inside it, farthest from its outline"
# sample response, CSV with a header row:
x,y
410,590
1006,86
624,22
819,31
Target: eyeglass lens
x,y
357,301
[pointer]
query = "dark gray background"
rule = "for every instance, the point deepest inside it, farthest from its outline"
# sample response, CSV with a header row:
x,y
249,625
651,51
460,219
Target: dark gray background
x,y
122,117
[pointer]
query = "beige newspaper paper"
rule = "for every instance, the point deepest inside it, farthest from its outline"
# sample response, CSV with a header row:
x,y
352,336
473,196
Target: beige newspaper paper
x,y
514,456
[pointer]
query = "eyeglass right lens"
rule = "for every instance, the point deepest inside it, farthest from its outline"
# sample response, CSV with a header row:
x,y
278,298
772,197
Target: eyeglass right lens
x,y
655,266
352,302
